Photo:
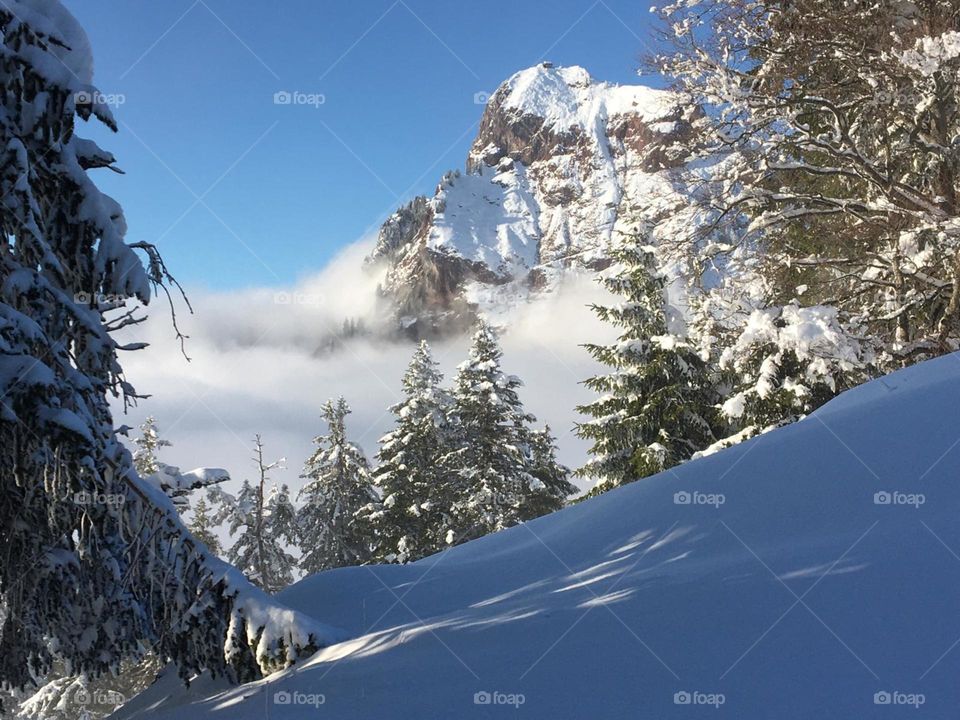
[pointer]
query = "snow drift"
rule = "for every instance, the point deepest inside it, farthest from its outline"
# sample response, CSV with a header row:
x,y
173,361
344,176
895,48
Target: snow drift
x,y
811,572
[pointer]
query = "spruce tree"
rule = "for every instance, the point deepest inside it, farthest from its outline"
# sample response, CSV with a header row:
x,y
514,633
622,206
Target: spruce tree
x,y
553,486
787,362
88,585
492,465
261,519
656,404
148,447
411,521
331,524
202,526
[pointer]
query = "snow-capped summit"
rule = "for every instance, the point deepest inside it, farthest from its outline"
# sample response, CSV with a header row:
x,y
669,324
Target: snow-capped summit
x,y
568,97
561,166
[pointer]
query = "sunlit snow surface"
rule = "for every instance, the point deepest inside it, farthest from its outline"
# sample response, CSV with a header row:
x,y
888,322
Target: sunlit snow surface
x,y
803,594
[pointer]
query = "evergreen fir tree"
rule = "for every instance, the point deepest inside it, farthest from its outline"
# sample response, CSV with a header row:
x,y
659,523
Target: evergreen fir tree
x,y
411,521
148,446
331,524
492,465
261,519
202,526
71,279
281,521
775,379
88,585
657,405
553,485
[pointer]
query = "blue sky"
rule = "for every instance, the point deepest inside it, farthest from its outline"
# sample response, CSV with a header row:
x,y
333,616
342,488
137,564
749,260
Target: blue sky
x,y
239,191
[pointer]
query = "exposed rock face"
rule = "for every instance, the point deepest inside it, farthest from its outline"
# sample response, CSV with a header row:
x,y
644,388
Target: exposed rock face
x,y
562,166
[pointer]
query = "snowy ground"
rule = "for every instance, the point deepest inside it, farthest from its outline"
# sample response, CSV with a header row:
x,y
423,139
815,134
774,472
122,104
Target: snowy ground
x,y
785,588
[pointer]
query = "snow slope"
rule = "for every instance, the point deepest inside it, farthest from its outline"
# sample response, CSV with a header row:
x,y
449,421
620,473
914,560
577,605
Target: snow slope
x,y
785,588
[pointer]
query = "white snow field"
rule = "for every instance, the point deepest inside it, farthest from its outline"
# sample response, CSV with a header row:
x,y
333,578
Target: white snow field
x,y
813,572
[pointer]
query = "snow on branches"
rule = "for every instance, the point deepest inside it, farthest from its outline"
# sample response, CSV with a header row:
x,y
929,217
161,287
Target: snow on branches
x,y
840,132
98,565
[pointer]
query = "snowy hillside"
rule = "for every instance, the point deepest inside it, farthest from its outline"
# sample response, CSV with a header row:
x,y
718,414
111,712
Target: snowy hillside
x,y
810,573
562,166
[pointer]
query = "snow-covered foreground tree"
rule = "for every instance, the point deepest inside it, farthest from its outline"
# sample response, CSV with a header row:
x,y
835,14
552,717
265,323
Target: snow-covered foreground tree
x,y
657,401
331,526
62,696
411,522
262,521
839,124
98,567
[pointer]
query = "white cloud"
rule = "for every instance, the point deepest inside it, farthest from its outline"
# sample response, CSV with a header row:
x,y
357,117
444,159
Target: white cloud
x,y
258,365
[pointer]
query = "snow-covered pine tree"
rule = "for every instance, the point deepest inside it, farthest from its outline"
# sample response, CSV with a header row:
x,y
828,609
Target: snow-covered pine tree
x,y
261,520
203,527
62,696
69,697
786,362
98,566
554,485
280,517
411,521
656,404
332,523
491,467
148,447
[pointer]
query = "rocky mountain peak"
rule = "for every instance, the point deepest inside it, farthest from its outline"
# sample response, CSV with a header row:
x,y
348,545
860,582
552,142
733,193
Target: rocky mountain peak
x,y
561,167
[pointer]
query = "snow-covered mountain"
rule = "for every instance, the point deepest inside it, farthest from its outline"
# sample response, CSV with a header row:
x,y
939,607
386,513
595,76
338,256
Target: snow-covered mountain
x,y
812,572
562,165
